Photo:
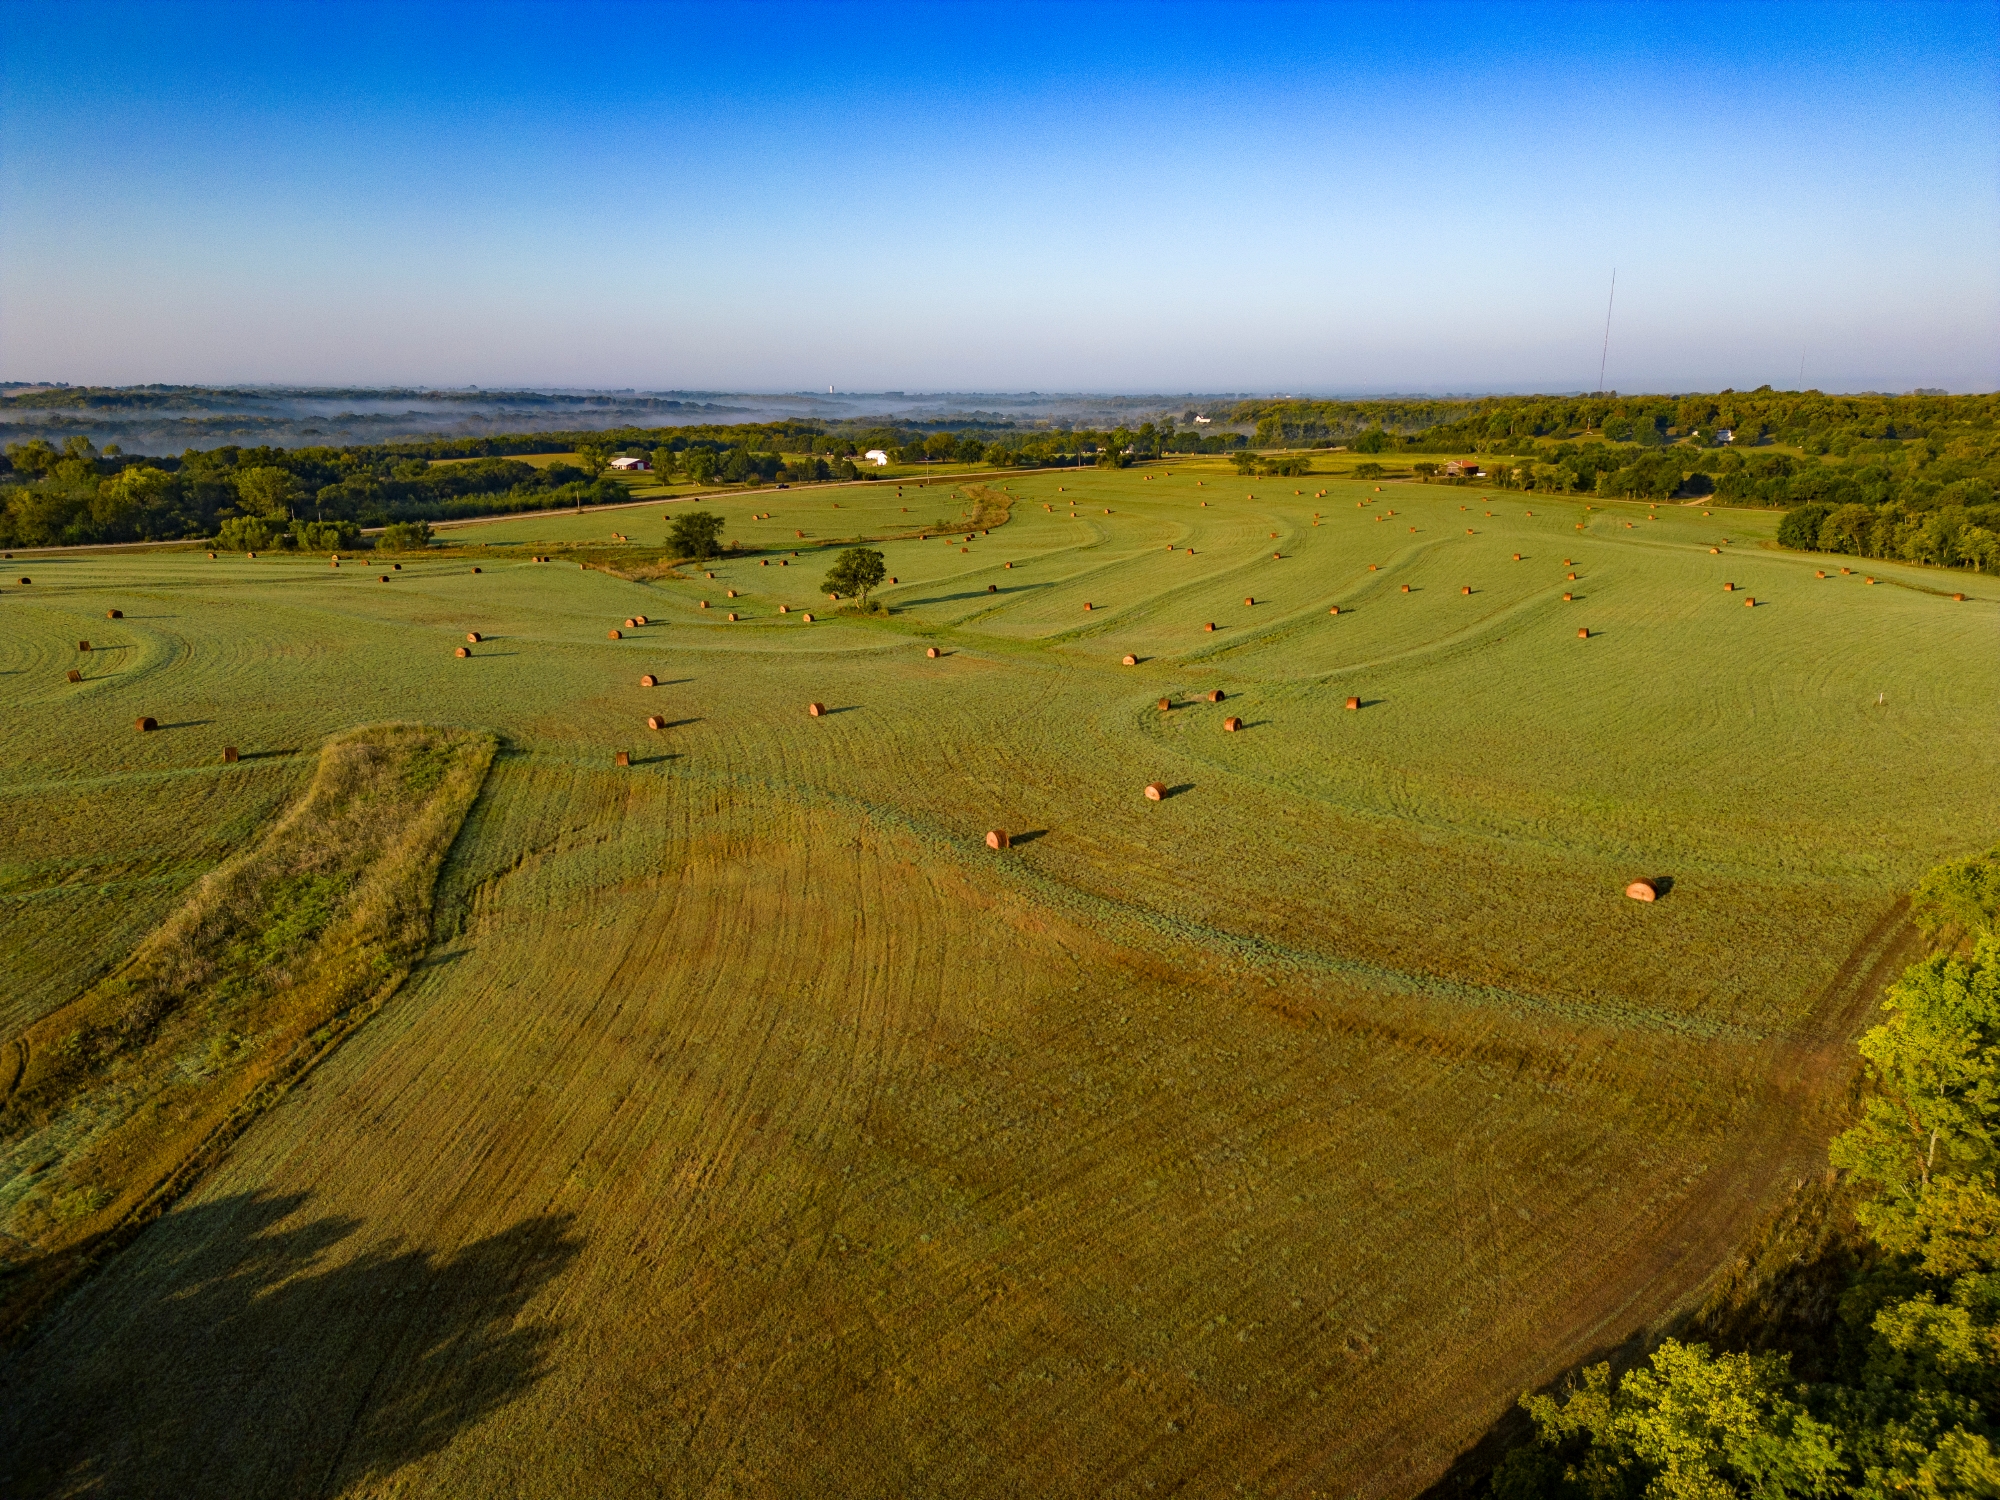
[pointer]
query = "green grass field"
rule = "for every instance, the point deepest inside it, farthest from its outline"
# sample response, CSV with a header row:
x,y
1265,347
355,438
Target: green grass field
x,y
750,1128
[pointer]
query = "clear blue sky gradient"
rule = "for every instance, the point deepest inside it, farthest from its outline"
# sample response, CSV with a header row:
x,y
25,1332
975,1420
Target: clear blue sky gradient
x,y
1156,198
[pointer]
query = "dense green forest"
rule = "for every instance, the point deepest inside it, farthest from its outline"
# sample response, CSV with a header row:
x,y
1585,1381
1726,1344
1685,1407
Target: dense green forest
x,y
1883,1379
1910,477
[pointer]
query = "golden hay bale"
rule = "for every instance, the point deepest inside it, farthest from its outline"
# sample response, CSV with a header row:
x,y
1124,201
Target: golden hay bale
x,y
474,637
1406,588
1231,724
807,617
476,570
895,580
622,758
1844,573
382,578
1129,660
1567,598
649,680
1353,704
73,675
639,619
1465,589
1572,578
784,609
732,593
1583,635
83,645
114,614
230,755
146,724
1249,599
817,710
1958,598
1642,890
702,605
1166,705
1517,557
397,566
1215,695
997,839
1086,607
992,588
462,651
211,557
1210,626
614,635
931,652
1155,791
1729,588
1819,572
654,721
732,616
1751,602
1335,610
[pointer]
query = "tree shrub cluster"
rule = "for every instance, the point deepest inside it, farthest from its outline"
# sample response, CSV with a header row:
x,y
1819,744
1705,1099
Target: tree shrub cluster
x,y
1910,1398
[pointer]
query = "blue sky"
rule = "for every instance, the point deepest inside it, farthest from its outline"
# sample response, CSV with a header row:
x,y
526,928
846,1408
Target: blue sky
x,y
1152,198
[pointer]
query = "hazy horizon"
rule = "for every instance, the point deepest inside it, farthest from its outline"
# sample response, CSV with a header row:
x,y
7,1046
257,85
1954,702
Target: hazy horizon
x,y
1103,200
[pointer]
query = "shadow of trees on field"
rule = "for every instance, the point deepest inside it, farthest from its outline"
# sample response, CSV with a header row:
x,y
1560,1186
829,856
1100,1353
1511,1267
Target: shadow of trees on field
x,y
234,1349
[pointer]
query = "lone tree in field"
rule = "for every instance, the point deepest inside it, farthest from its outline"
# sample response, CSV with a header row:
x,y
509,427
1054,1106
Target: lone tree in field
x,y
694,535
856,571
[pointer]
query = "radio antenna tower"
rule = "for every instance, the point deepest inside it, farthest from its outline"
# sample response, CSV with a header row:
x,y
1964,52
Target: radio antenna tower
x,y
1605,356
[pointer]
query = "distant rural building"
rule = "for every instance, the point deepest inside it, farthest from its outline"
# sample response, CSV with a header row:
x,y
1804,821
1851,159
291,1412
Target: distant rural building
x,y
1465,466
637,464
876,457
1726,435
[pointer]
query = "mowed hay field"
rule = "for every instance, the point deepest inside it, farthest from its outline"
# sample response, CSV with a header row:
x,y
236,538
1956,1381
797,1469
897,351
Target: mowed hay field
x,y
752,1129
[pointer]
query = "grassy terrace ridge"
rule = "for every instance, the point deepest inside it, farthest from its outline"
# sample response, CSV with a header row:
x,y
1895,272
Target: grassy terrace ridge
x,y
749,1125
113,1105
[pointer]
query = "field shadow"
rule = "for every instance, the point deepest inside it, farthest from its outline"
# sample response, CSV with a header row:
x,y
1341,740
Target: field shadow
x,y
656,760
185,1377
845,708
1029,837
184,724
264,754
1175,791
1661,884
678,723
998,593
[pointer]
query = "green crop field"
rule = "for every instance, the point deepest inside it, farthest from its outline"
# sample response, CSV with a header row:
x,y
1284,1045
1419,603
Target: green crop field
x,y
748,1127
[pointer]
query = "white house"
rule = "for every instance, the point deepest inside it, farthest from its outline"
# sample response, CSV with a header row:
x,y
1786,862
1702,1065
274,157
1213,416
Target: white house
x,y
632,464
876,457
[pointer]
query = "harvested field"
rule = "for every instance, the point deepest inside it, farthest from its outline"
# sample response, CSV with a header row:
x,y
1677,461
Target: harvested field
x,y
749,1126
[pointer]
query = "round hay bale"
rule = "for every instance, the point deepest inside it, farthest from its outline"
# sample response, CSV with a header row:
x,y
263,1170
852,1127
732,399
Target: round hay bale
x,y
622,758
1958,598
379,578
73,675
1867,580
895,580
1642,890
146,724
1729,588
997,839
1465,589
732,616
1406,588
1819,572
702,605
1166,705
1128,660
639,619
1844,573
1353,704
473,636
649,680
654,721
398,567
1751,602
1156,791
1517,557
764,562
817,710
461,651
1231,724
1572,578
732,593
114,614
83,645
211,557
1583,635
1210,626
230,755
1249,599
1215,695
27,580
1086,607
931,652
1567,598
992,588
807,617
784,609
1335,610
249,554
614,635
476,570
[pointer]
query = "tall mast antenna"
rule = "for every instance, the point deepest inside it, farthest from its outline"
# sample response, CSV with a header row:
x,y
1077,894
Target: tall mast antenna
x,y
1606,355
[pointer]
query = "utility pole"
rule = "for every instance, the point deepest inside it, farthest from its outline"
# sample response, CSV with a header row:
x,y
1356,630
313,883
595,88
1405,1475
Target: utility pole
x,y
1604,357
